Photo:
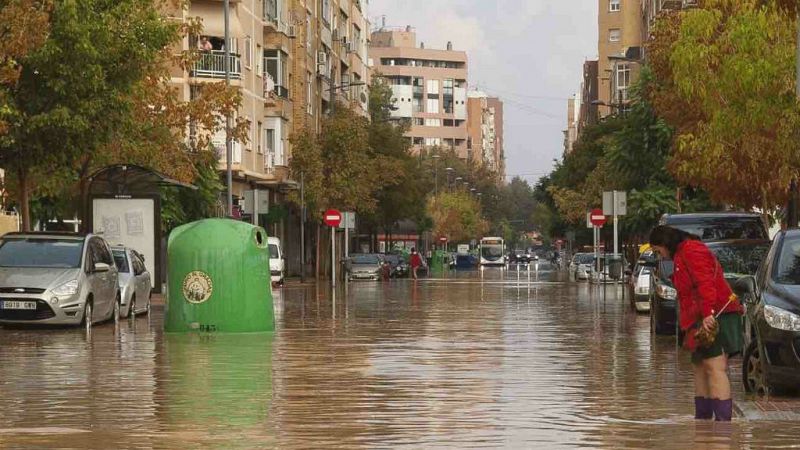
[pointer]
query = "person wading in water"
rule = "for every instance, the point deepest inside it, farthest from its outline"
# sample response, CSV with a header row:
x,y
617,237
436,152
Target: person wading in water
x,y
416,262
710,316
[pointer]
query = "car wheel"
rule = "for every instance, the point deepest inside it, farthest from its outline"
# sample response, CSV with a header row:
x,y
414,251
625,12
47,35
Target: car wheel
x,y
753,370
87,316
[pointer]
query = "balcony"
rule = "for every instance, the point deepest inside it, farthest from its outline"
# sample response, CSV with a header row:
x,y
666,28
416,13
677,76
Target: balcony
x,y
218,142
212,65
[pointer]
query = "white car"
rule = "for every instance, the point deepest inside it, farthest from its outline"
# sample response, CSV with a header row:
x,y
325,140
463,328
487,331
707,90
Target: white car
x,y
135,282
277,263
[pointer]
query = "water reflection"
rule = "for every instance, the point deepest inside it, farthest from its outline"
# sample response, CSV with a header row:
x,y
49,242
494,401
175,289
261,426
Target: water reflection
x,y
477,359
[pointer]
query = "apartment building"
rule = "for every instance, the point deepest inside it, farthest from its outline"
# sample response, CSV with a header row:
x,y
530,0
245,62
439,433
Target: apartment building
x,y
619,49
652,8
485,131
429,86
588,108
571,133
290,59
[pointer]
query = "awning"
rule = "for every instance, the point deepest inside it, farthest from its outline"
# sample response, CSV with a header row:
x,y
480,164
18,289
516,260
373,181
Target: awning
x,y
213,16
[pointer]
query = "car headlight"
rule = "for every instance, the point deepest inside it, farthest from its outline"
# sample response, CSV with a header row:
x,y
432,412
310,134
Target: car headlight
x,y
666,292
781,319
66,289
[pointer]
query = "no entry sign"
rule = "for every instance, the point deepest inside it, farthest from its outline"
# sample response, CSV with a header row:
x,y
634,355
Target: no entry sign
x,y
332,217
597,217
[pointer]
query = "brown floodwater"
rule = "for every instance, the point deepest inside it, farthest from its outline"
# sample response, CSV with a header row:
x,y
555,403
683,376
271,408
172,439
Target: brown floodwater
x,y
476,359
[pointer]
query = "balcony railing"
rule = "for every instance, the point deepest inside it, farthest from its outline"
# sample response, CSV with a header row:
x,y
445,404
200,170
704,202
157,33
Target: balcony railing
x,y
212,65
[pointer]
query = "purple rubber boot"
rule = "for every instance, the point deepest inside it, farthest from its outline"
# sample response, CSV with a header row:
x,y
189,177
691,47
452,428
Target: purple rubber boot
x,y
703,408
723,410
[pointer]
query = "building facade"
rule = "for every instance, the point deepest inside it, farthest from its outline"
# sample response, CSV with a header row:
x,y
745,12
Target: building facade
x,y
588,108
289,59
571,133
620,40
429,87
485,132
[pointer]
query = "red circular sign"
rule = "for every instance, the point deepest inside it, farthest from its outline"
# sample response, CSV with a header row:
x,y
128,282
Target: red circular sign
x,y
332,217
597,217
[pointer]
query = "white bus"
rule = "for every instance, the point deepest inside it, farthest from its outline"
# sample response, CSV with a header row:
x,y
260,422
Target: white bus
x,y
493,251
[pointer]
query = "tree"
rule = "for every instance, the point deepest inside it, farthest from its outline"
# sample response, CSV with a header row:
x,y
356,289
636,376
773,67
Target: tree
x,y
23,28
734,63
456,215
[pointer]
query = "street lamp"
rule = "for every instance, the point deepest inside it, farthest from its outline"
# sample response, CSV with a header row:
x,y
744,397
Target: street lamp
x,y
449,171
435,174
228,119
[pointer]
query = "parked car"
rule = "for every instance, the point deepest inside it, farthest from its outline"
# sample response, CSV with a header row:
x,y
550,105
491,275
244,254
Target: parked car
x,y
719,225
135,282
663,298
639,281
584,266
57,279
277,263
366,266
398,267
772,323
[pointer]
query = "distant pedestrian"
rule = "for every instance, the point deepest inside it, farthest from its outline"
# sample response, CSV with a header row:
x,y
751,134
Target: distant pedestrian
x,y
710,317
416,262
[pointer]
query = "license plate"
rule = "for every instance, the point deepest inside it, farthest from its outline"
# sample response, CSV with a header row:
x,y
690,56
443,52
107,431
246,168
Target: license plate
x,y
18,305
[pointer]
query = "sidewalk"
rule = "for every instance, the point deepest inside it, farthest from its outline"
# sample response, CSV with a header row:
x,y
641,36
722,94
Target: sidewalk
x,y
769,408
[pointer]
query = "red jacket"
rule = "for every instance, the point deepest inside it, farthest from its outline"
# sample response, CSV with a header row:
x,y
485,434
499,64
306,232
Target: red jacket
x,y
416,260
700,282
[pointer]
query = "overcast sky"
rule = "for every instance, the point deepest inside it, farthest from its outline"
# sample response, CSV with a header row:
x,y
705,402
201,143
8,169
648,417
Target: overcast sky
x,y
530,53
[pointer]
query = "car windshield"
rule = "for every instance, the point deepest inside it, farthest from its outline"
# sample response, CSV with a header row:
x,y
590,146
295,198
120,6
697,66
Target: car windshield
x,y
273,251
393,259
366,259
740,259
586,259
722,228
788,269
39,252
492,251
121,261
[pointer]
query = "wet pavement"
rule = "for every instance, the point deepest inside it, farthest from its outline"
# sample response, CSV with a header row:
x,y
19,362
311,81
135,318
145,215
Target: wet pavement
x,y
479,359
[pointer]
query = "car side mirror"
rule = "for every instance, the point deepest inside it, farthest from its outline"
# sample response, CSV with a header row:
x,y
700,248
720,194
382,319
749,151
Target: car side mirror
x,y
101,267
745,286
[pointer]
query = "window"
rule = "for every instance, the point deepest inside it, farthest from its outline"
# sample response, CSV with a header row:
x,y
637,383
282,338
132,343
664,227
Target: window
x,y
433,105
269,143
257,138
623,82
309,94
418,141
248,52
259,61
449,122
419,121
433,122
271,10
613,5
433,87
448,86
276,67
432,142
309,33
357,36
447,105
614,35
249,147
417,105
325,9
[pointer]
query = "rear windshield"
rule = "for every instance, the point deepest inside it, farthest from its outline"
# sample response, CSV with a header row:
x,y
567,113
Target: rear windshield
x,y
665,269
740,259
121,261
586,259
273,251
41,253
366,259
721,228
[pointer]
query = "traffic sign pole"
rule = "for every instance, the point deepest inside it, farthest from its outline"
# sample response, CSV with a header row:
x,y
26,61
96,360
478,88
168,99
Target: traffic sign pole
x,y
333,256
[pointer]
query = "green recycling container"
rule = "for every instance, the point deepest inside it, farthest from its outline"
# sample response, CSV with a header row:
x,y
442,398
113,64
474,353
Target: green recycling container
x,y
218,278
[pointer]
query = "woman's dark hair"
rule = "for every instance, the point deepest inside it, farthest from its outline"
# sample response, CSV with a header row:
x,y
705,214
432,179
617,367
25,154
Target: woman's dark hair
x,y
670,238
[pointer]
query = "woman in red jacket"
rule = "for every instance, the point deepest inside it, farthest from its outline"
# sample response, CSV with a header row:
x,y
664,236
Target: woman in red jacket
x,y
705,301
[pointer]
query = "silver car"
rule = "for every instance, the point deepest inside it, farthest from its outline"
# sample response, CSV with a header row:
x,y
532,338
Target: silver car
x,y
57,279
135,283
365,267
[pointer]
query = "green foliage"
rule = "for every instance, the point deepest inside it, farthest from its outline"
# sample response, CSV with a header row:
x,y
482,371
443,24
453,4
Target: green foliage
x,y
457,216
181,205
733,63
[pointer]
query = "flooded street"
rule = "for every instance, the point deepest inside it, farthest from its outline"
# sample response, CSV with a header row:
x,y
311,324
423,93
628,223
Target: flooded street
x,y
480,359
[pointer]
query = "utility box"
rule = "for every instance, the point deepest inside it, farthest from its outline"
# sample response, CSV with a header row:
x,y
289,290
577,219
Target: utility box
x,y
218,278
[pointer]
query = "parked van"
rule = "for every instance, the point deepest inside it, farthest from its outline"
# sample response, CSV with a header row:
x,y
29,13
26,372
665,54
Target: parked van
x,y
277,264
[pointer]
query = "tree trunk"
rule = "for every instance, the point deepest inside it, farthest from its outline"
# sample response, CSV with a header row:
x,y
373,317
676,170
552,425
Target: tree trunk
x,y
24,198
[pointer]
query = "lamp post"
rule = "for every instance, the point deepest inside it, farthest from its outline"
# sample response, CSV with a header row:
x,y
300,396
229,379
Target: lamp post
x,y
435,174
228,118
449,171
